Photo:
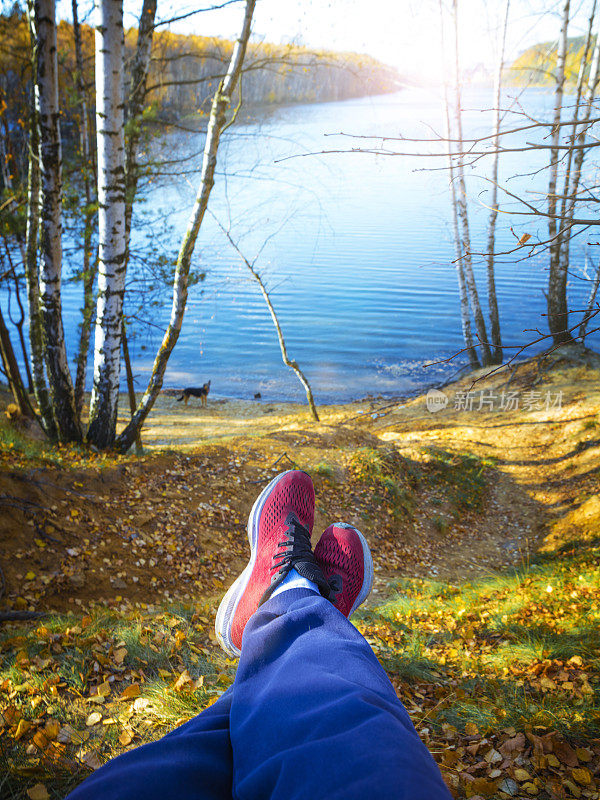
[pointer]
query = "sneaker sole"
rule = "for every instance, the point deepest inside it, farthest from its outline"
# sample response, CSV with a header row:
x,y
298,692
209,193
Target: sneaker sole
x,y
229,603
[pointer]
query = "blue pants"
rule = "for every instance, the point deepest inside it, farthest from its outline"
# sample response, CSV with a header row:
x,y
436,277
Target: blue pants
x,y
311,715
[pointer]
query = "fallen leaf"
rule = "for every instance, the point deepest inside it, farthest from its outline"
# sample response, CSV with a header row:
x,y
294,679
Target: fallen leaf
x,y
181,681
131,691
93,718
522,775
38,792
125,737
22,728
582,775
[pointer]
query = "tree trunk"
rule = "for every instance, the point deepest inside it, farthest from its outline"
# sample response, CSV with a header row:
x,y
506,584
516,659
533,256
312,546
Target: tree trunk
x,y
135,106
462,210
12,371
21,320
216,123
293,365
575,164
90,265
491,245
61,387
130,387
465,315
36,341
558,314
111,221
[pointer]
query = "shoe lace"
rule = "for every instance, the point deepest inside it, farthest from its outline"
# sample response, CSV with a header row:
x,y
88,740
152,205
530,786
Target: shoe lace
x,y
295,547
295,550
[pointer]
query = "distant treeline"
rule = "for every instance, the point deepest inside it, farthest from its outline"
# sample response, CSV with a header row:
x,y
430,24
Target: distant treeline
x,y
184,70
537,65
184,73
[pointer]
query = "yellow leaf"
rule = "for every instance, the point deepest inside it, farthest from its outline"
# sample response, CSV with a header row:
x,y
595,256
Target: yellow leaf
x,y
525,238
40,543
184,678
29,577
471,729
104,689
22,728
125,737
93,718
38,792
52,729
582,754
130,692
522,775
582,775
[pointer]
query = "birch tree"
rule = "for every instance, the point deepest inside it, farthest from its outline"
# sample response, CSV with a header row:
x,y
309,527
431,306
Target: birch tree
x,y
111,221
36,341
461,202
217,122
465,315
557,299
491,243
89,267
43,26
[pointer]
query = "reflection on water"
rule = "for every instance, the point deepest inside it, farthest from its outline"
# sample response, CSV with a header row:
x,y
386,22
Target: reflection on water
x,y
359,259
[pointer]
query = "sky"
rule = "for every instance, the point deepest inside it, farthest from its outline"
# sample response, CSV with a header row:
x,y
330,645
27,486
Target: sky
x,y
403,33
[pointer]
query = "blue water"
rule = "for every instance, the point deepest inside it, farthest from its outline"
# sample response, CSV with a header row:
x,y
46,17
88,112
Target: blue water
x,y
357,250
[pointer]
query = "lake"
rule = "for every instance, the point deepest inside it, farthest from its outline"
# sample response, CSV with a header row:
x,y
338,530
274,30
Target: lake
x,y
356,248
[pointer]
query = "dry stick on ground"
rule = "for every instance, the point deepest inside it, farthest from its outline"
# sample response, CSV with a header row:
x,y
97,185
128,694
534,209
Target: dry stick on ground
x,y
291,363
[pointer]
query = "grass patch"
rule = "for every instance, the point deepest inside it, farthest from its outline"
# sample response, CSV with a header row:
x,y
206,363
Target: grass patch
x,y
140,674
487,663
463,474
390,475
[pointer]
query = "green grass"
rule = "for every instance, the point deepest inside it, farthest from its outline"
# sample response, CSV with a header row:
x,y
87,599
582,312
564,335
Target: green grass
x,y
391,476
515,649
463,475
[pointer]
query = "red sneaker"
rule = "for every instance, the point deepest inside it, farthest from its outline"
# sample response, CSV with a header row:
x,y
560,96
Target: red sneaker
x,y
279,529
344,556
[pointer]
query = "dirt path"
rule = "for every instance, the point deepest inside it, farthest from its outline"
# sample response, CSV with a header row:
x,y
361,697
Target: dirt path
x,y
451,495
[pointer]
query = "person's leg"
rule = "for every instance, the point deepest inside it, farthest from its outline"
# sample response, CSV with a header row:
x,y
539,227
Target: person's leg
x,y
315,716
193,762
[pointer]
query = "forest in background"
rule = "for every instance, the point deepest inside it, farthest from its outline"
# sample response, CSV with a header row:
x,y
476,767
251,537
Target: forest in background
x,y
536,66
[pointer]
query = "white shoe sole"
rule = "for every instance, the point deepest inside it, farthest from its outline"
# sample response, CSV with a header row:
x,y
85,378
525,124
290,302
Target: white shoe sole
x,y
229,603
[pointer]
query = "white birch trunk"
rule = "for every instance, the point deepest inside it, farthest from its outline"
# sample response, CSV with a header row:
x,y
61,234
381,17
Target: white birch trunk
x,y
32,276
61,387
216,123
573,176
491,244
110,135
89,263
465,315
556,297
463,214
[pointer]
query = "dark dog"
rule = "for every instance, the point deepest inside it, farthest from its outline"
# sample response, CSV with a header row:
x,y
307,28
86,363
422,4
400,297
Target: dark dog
x,y
201,392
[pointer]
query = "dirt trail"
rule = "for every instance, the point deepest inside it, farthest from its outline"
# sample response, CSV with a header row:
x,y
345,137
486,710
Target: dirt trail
x,y
451,494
